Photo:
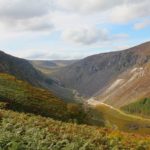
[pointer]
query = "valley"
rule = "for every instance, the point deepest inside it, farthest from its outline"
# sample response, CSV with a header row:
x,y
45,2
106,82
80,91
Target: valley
x,y
74,75
93,103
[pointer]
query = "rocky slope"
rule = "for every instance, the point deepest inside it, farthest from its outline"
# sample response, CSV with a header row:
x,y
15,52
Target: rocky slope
x,y
92,75
128,87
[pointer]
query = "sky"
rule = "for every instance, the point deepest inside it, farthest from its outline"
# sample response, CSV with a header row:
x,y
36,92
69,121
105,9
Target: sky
x,y
71,29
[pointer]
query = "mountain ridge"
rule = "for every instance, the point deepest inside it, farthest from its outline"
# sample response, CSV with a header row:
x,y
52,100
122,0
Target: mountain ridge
x,y
91,74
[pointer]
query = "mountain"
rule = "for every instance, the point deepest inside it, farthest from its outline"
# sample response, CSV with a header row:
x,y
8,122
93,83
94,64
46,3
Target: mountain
x,y
92,76
22,69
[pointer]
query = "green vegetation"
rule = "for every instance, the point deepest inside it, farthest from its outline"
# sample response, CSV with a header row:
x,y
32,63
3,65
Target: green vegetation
x,y
19,131
116,119
21,96
141,107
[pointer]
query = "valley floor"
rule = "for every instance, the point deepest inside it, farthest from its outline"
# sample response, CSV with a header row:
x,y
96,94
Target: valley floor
x,y
115,118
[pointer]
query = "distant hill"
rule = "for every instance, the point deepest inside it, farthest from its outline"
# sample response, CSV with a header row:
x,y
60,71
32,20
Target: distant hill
x,y
51,63
49,66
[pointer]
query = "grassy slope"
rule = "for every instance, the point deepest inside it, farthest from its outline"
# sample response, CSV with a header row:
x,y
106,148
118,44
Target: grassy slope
x,y
23,132
141,107
115,118
23,97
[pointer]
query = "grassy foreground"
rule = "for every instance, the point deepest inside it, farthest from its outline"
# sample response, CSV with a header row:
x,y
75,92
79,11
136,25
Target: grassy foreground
x,y
19,131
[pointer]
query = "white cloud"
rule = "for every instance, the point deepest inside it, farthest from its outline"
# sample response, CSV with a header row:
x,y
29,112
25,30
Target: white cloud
x,y
86,6
21,9
45,14
118,11
130,10
142,25
23,15
85,35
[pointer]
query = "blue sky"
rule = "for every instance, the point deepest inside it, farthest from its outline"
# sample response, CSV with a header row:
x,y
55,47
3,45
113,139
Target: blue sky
x,y
71,29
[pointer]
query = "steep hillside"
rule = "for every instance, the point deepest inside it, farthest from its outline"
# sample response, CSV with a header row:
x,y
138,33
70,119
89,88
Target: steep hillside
x,y
20,68
140,107
92,74
128,87
25,131
21,96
